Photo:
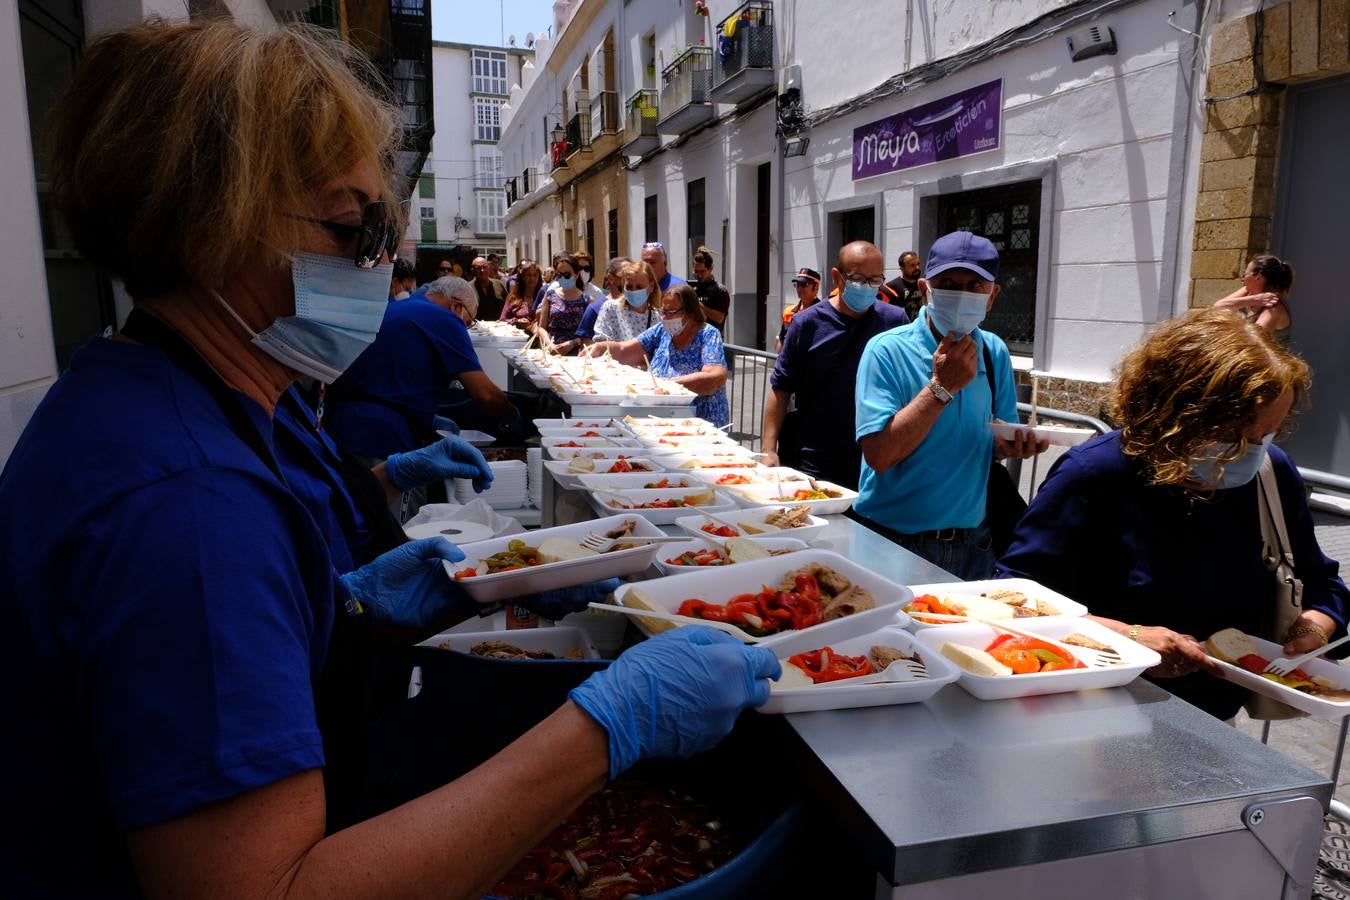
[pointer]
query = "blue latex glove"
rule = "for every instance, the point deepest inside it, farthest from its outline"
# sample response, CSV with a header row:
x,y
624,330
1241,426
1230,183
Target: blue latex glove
x,y
408,586
558,603
450,457
676,694
441,423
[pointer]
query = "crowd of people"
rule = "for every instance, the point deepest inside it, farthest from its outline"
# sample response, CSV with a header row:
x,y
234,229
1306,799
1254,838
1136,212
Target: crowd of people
x,y
191,548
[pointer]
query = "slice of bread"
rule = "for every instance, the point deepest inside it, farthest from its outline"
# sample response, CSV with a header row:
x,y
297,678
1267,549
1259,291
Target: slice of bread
x,y
974,660
1230,645
978,607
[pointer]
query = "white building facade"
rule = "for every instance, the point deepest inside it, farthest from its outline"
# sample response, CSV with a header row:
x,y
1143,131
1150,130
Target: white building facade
x,y
460,199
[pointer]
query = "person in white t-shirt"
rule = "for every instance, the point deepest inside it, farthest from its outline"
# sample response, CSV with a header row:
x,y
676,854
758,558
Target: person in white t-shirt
x,y
625,319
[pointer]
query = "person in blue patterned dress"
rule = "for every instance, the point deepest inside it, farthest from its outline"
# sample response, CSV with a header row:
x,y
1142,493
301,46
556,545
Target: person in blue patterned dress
x,y
684,348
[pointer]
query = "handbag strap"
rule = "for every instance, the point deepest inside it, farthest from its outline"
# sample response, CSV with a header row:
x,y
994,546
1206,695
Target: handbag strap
x,y
1276,550
989,373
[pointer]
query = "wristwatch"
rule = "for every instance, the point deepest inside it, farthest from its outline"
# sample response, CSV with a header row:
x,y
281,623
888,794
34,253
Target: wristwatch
x,y
943,395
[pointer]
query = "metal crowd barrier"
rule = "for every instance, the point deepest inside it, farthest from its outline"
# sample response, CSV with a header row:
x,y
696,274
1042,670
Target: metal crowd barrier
x,y
748,371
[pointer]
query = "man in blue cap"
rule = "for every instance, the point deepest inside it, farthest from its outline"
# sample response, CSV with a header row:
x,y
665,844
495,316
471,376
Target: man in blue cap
x,y
925,396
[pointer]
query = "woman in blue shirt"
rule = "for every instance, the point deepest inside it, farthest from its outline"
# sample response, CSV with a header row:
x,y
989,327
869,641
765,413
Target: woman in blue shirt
x,y
171,602
1155,526
683,348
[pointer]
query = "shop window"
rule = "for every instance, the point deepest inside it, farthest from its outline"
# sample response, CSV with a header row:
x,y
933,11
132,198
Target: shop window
x,y
1009,216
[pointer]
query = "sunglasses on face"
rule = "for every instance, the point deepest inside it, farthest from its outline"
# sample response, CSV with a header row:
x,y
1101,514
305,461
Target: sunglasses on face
x,y
375,236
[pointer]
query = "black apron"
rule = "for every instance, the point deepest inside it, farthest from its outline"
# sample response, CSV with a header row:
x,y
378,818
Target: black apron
x,y
343,698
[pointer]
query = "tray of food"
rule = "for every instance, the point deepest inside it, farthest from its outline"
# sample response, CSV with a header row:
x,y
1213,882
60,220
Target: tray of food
x,y
757,522
625,481
661,506
599,431
1000,598
761,475
636,422
792,603
570,425
519,564
828,677
1067,654
680,437
560,447
1320,687
567,471
696,554
822,498
1060,435
525,644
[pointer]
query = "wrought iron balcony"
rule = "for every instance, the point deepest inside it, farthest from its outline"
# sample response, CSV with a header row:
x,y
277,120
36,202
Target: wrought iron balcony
x,y
744,63
686,91
579,128
605,113
639,133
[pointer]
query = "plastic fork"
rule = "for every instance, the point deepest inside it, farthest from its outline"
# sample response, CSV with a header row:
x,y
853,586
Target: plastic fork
x,y
900,670
635,613
599,543
1283,665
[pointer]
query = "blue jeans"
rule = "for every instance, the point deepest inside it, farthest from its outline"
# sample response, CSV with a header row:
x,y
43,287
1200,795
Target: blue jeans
x,y
969,558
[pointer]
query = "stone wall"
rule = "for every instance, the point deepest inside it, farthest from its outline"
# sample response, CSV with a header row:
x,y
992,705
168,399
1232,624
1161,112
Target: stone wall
x,y
1299,41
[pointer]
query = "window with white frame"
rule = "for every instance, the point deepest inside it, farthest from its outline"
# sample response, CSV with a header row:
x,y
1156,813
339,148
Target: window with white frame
x,y
428,212
491,212
487,119
487,171
489,72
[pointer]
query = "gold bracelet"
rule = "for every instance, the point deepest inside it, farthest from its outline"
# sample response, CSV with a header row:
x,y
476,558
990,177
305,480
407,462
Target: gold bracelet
x,y
1299,630
1134,632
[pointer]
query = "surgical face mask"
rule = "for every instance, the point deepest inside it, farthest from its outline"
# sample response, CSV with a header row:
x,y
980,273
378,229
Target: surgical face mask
x,y
338,311
956,313
566,284
673,326
859,297
636,297
1206,464
583,276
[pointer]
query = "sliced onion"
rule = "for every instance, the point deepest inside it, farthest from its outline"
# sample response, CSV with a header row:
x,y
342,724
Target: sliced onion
x,y
577,865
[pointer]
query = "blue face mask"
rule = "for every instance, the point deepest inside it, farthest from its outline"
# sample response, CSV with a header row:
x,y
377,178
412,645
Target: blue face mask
x,y
636,298
338,311
1209,470
859,297
566,284
956,313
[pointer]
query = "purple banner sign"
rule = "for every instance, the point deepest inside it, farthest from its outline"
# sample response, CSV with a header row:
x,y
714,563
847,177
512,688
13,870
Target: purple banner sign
x,y
957,125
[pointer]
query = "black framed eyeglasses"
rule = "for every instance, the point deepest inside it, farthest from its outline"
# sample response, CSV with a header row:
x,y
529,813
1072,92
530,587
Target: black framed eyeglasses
x,y
875,281
375,236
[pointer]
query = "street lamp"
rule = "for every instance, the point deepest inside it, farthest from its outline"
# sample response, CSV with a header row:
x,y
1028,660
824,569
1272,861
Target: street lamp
x,y
558,133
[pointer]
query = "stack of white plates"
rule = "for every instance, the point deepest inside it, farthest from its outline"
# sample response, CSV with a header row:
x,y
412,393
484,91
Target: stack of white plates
x,y
534,458
507,490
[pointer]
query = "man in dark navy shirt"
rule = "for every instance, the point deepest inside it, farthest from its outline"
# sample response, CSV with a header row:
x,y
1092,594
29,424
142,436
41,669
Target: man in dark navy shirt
x,y
819,365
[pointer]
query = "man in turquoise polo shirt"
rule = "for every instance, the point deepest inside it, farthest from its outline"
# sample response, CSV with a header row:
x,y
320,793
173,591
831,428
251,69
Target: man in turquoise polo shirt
x,y
925,396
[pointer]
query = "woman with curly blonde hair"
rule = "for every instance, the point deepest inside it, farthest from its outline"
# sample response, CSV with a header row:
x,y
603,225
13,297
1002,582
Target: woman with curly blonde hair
x,y
1155,526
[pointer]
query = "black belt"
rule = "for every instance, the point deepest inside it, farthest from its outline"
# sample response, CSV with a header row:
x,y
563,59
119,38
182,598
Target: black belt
x,y
943,535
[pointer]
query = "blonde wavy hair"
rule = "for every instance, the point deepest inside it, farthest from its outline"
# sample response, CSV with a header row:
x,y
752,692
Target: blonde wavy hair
x,y
638,267
182,152
1201,378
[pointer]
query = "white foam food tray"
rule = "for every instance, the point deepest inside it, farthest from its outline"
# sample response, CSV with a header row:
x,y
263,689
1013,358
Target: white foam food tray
x,y
658,515
572,425
754,516
608,431
842,695
560,452
569,479
1136,658
477,438
763,494
547,576
762,475
1318,668
720,584
723,461
701,449
673,551
573,397
636,422
637,481
553,445
1061,435
1032,589
559,641
684,438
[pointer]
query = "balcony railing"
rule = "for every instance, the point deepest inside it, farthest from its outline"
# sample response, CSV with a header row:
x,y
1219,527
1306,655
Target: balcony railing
x,y
529,180
639,133
557,155
579,128
744,63
686,91
512,191
605,113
